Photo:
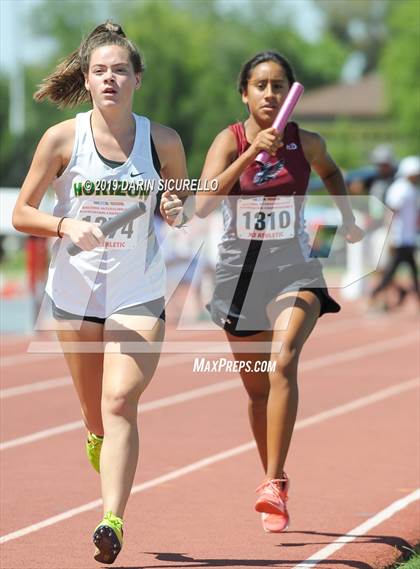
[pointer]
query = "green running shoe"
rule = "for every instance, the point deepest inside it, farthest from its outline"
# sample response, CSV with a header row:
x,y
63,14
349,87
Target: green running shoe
x,y
93,449
108,538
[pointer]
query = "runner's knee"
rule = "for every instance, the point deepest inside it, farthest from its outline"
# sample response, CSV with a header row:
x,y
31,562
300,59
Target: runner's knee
x,y
120,402
286,362
258,398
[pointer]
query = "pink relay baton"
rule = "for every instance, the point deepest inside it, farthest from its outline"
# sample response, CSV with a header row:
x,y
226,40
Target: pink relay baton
x,y
283,115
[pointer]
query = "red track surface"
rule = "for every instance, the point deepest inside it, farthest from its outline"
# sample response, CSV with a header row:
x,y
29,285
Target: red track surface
x,y
345,467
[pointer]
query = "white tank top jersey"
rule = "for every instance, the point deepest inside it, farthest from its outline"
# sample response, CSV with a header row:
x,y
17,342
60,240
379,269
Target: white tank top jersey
x,y
402,197
130,269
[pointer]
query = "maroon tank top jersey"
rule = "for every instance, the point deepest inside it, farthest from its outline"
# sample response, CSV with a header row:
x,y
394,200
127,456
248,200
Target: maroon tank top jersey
x,y
287,173
264,210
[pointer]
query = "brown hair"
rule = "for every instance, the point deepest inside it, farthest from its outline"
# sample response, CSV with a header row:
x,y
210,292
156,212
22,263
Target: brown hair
x,y
65,86
262,57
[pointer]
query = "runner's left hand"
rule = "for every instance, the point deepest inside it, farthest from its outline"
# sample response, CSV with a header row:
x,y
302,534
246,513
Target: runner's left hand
x,y
171,208
352,232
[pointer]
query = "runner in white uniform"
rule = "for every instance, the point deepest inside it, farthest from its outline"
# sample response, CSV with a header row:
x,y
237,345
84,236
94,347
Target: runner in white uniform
x,y
111,294
91,190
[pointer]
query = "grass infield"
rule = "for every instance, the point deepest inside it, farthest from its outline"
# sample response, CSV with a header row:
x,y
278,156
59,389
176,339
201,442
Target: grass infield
x,y
409,560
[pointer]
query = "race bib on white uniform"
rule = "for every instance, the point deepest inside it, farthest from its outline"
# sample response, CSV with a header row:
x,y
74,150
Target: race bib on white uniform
x,y
98,211
265,218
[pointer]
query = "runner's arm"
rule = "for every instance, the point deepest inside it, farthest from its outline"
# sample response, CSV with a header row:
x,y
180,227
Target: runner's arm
x,y
316,153
173,167
224,165
50,160
46,164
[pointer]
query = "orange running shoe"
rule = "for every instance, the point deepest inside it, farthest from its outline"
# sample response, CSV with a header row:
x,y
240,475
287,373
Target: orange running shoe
x,y
273,495
273,523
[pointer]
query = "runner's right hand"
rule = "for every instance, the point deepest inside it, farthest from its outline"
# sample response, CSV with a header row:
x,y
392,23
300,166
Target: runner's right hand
x,y
85,235
269,140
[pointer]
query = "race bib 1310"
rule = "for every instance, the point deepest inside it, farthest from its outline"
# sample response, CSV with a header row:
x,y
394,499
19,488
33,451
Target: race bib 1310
x,y
265,218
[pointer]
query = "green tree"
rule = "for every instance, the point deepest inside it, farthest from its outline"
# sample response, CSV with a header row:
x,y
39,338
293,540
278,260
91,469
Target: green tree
x,y
194,59
193,53
358,25
400,64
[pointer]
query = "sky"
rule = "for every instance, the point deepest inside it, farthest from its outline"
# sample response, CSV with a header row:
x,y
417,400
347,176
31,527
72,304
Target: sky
x,y
17,38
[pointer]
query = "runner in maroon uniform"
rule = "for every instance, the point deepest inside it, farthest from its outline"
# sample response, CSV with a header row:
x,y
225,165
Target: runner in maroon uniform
x,y
268,287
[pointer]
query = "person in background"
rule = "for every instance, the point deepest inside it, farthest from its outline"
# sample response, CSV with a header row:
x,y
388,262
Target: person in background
x,y
383,158
403,199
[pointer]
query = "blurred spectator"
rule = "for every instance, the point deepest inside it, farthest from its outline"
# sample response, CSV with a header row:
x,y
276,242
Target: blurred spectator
x,y
358,191
190,257
357,187
383,158
2,252
402,199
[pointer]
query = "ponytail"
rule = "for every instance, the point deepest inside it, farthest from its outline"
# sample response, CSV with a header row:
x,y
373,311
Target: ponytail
x,y
65,86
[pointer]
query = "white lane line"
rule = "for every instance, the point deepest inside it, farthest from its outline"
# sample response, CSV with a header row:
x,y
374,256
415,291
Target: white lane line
x,y
169,361
135,490
65,381
364,528
189,395
316,363
235,451
39,435
359,352
27,357
173,345
143,408
24,358
359,403
34,387
322,330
